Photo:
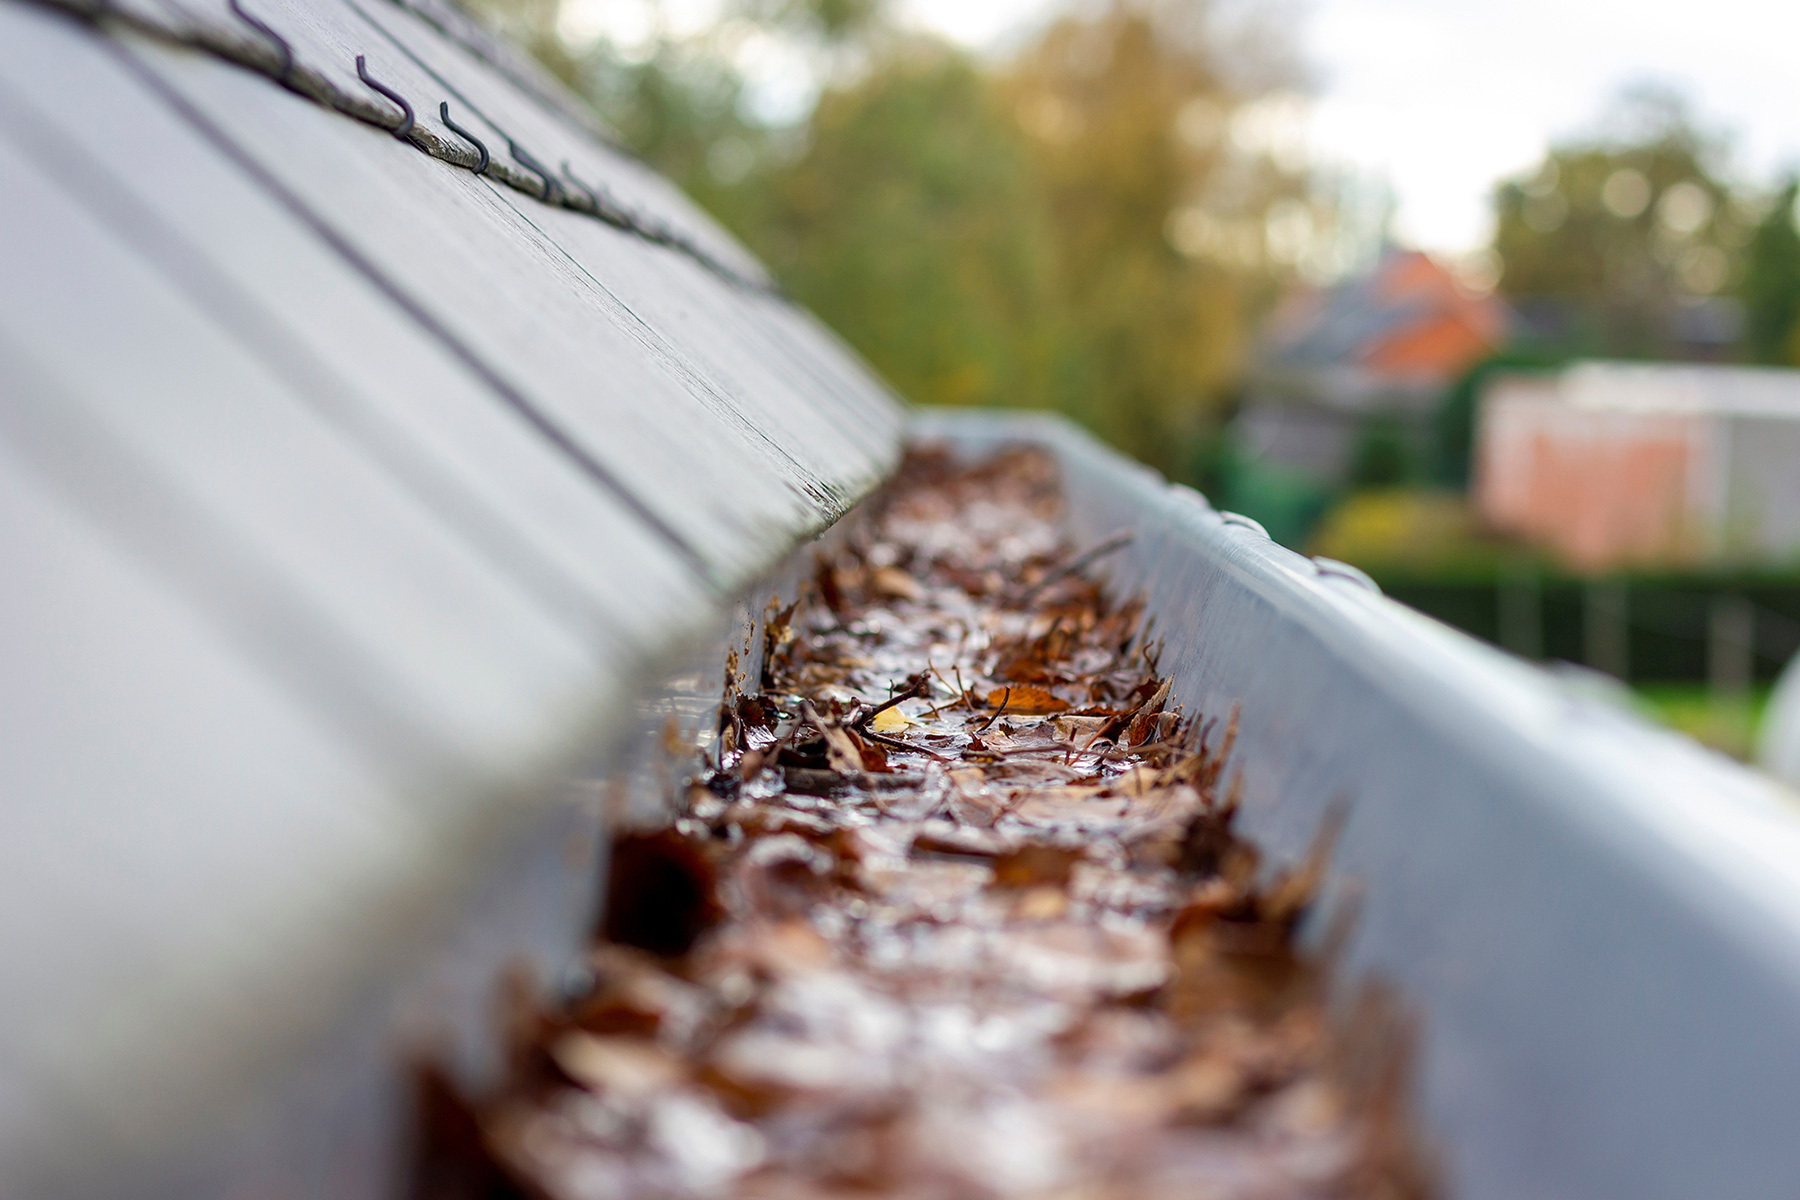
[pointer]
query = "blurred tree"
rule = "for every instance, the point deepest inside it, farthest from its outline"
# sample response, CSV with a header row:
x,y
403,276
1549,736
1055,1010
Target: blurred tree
x,y
1159,212
1771,284
825,22
1625,228
914,223
1088,227
532,25
682,108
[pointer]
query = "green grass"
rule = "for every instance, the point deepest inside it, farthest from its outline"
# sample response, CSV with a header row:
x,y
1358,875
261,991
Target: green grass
x,y
1690,709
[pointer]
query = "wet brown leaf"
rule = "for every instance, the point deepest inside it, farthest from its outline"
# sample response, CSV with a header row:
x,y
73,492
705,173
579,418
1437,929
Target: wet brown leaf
x,y
1025,700
1035,864
1005,944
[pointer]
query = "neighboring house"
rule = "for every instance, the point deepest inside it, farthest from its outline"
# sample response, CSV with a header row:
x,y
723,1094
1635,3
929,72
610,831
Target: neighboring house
x,y
1381,347
1613,464
1687,329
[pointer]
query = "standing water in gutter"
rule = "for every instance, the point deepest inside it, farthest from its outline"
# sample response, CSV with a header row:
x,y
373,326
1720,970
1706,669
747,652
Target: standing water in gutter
x,y
958,913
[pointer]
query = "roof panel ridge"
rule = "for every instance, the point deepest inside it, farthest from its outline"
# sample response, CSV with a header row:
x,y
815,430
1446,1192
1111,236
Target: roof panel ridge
x,y
245,36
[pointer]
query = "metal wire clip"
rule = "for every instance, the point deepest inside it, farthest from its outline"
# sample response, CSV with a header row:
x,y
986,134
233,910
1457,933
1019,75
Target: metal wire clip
x,y
444,113
537,168
406,113
284,74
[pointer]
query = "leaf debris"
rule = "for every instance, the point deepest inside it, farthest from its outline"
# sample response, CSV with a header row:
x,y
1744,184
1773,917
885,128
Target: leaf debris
x,y
1019,953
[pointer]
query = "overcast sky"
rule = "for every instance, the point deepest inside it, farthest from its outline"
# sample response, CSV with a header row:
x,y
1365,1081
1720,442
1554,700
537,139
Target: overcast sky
x,y
1442,97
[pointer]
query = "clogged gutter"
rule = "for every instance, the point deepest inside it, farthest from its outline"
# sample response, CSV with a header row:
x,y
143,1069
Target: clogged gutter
x,y
959,912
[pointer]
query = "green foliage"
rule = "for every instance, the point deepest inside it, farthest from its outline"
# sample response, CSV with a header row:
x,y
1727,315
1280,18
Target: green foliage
x,y
1624,227
1771,284
829,21
984,233
1728,724
907,211
1381,458
1159,332
1287,503
682,111
1409,532
915,224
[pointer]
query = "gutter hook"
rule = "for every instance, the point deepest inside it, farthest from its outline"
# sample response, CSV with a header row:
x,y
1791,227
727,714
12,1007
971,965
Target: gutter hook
x,y
406,113
603,205
444,113
534,166
283,75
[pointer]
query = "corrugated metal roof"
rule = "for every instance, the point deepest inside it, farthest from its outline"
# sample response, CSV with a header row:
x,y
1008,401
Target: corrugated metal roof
x,y
349,495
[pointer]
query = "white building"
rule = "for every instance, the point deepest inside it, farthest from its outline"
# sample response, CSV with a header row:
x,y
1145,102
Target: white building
x,y
1615,463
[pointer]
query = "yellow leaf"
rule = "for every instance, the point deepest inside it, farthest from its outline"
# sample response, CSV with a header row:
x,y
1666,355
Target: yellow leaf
x,y
889,720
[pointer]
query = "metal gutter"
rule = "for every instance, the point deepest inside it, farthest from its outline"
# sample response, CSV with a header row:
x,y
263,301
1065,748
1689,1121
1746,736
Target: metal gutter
x,y
1597,923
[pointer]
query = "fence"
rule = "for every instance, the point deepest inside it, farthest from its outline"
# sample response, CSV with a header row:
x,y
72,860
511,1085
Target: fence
x,y
1729,632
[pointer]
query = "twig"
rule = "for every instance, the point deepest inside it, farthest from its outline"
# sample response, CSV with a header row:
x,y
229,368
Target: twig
x,y
913,686
1121,752
940,678
897,744
1047,748
1091,742
961,691
1004,701
1115,754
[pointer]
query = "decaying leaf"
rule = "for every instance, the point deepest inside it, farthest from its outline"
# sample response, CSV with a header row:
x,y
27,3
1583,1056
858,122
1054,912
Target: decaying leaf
x,y
1025,700
1035,864
895,583
1004,944
889,720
